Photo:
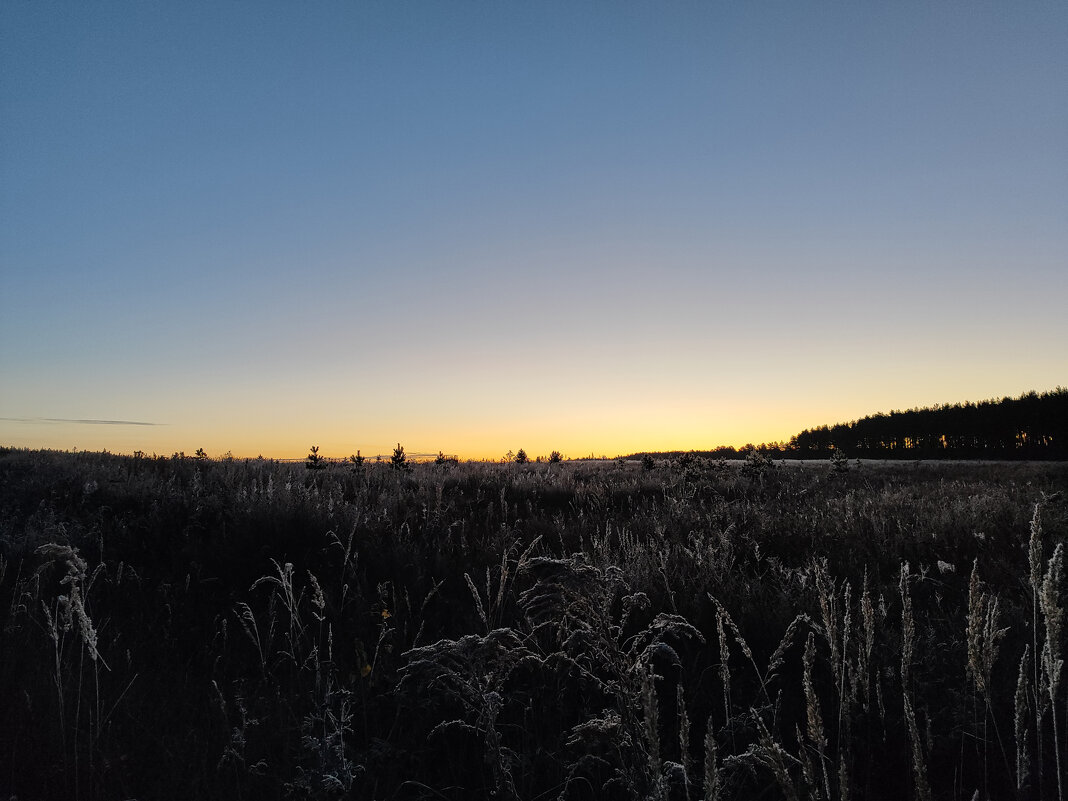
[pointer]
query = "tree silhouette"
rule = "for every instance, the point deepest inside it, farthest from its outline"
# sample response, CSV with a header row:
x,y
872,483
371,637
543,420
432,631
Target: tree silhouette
x,y
398,461
314,460
1030,426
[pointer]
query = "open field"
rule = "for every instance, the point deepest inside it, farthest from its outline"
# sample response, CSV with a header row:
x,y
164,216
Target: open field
x,y
187,628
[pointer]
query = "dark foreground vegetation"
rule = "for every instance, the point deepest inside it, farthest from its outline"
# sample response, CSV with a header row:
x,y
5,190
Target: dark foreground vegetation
x,y
184,628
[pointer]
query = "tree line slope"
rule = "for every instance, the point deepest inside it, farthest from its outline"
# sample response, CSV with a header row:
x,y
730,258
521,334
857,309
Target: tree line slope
x,y
1032,425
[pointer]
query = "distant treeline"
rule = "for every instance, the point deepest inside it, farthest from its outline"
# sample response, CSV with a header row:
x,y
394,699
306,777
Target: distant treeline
x,y
1032,426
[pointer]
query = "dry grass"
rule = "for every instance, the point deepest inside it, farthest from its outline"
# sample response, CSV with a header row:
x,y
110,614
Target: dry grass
x,y
529,632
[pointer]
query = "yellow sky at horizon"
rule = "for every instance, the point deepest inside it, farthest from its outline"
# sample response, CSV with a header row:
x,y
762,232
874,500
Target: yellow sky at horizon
x,y
619,428
61,437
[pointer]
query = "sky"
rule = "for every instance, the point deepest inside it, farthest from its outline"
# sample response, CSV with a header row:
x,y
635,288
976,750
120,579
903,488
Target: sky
x,y
474,227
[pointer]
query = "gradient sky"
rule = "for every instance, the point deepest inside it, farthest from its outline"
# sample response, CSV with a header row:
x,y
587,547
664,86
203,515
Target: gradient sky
x,y
597,227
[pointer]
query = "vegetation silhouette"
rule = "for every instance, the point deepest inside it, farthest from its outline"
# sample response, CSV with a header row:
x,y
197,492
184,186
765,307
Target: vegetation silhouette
x,y
398,461
180,628
1031,426
314,461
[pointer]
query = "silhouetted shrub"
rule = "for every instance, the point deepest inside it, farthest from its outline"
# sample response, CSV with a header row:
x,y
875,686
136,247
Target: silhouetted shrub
x,y
314,461
398,461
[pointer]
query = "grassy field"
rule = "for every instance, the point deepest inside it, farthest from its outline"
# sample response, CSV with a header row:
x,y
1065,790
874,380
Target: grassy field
x,y
188,628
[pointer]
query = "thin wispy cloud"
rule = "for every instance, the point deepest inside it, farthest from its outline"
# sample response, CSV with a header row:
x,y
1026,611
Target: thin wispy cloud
x,y
78,422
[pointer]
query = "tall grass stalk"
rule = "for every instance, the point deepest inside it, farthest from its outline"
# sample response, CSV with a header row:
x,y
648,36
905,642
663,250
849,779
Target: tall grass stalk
x,y
984,638
711,764
815,731
1034,560
908,640
1053,648
1020,722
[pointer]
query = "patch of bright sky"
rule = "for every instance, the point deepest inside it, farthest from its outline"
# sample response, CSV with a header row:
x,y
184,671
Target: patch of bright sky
x,y
592,227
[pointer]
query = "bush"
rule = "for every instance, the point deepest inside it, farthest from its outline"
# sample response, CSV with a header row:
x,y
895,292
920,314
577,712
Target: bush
x,y
839,461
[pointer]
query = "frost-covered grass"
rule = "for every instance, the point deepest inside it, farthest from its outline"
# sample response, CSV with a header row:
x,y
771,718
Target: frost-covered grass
x,y
180,628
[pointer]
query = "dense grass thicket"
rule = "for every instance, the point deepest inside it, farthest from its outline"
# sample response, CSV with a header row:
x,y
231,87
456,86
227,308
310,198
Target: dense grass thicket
x,y
186,628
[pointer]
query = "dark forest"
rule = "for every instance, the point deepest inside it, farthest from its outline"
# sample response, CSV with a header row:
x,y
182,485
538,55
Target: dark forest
x,y
1031,426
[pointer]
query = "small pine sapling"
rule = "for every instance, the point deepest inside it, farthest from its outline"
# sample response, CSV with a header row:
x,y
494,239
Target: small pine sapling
x,y
314,461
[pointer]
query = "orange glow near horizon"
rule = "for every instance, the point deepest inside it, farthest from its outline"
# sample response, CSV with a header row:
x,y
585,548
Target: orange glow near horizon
x,y
574,440
610,430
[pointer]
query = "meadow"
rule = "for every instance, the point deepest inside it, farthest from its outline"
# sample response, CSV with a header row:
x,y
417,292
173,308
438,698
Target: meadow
x,y
686,629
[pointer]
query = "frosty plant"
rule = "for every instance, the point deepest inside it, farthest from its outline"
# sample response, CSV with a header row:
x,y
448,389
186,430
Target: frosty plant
x,y
68,615
839,461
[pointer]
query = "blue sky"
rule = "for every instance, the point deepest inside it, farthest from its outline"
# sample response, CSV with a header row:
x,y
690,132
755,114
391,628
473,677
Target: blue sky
x,y
593,227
